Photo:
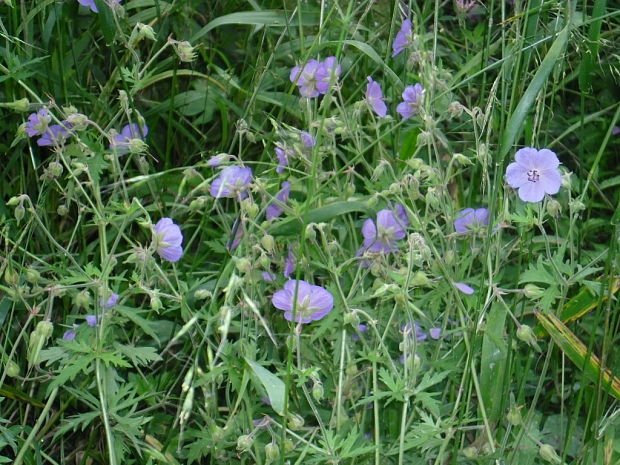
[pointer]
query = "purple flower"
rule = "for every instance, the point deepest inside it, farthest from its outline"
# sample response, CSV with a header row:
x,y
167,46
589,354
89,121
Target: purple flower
x,y
403,38
121,142
535,173
218,159
69,335
469,220
382,236
110,301
464,288
307,140
435,333
282,154
275,208
232,182
463,6
361,328
38,122
374,97
412,97
54,135
400,211
413,331
329,72
307,76
268,276
615,130
93,7
92,320
168,238
312,303
289,263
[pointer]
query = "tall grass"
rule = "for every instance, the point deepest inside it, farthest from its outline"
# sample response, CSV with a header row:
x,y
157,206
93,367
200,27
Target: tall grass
x,y
193,363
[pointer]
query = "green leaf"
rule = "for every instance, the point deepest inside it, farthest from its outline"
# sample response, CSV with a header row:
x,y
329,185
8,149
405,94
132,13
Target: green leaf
x,y
106,21
493,362
272,384
140,356
318,215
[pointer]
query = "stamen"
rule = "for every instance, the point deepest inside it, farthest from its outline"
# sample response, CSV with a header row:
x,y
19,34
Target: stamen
x,y
533,175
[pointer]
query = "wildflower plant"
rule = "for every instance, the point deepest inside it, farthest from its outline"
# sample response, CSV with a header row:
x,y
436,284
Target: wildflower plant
x,y
234,252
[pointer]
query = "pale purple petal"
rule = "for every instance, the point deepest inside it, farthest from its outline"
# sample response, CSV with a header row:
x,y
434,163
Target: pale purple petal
x,y
275,208
435,333
111,301
531,192
516,175
464,288
233,182
551,181
547,160
402,38
268,276
168,239
282,300
307,139
369,231
374,96
289,263
69,335
91,320
463,220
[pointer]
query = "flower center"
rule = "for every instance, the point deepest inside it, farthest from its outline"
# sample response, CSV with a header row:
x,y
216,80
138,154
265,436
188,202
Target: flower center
x,y
385,234
533,175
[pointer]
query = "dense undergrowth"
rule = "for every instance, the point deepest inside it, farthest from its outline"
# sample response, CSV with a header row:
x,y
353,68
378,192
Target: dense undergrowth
x,y
309,232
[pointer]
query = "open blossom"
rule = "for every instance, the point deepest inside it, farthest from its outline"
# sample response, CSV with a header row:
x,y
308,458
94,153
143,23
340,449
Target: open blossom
x,y
374,97
383,235
535,173
168,238
330,72
470,220
54,135
38,122
232,182
314,77
93,6
275,208
412,100
110,301
403,38
121,143
312,303
306,77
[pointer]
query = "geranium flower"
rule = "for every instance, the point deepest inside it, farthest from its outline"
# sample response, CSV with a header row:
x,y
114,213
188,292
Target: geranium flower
x,y
535,173
382,236
312,303
374,97
92,320
275,209
121,142
307,140
54,135
329,72
93,6
110,301
38,122
464,288
412,100
217,160
282,154
168,238
307,76
469,220
232,182
289,263
403,38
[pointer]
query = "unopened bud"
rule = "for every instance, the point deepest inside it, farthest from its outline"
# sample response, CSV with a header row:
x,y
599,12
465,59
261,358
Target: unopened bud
x,y
11,277
62,210
351,318
295,421
419,279
470,452
310,232
532,291
576,205
19,212
525,334
203,294
268,242
514,416
461,160
249,207
137,146
155,302
244,442
83,299
185,51
78,121
197,204
21,105
272,452
12,369
554,208
54,169
33,276
145,31
243,264
548,453
455,109
317,391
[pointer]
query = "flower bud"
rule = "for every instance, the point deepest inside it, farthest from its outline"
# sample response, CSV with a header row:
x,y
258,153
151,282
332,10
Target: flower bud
x,y
54,170
554,208
145,31
295,421
419,279
62,210
455,109
461,160
576,205
124,100
268,242
272,452
83,299
10,276
156,302
19,212
14,201
548,453
532,291
244,442
243,265
187,380
203,294
12,369
137,146
32,276
186,409
470,452
185,51
310,232
21,105
249,207
514,416
197,204
78,121
351,318
317,391
289,446
525,334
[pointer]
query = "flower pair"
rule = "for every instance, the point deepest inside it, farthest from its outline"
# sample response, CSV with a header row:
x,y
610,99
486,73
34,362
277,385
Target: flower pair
x,y
412,99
